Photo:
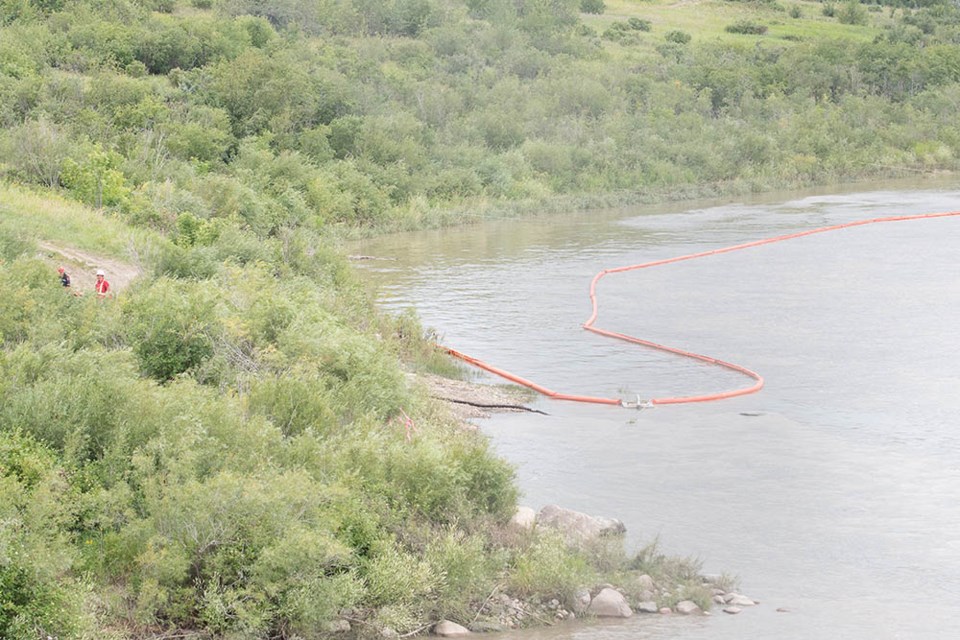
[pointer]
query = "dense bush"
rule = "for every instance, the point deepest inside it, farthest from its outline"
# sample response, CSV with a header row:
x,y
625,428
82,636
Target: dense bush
x,y
173,326
241,113
746,26
593,6
274,506
852,13
39,594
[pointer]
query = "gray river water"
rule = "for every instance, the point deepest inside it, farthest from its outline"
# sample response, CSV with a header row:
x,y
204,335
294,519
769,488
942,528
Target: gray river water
x,y
837,497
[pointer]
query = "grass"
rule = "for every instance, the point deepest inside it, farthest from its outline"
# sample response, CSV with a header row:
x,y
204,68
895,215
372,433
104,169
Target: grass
x,y
51,218
706,20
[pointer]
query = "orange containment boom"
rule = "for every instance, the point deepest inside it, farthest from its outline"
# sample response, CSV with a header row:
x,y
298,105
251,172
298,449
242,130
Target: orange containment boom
x,y
709,397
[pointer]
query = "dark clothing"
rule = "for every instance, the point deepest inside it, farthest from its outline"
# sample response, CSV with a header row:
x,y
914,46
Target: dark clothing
x,y
65,279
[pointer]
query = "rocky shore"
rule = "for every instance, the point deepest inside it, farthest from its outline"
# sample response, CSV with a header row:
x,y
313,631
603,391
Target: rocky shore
x,y
640,594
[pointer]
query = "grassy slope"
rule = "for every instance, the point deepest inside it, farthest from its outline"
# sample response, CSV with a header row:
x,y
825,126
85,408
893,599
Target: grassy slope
x,y
46,216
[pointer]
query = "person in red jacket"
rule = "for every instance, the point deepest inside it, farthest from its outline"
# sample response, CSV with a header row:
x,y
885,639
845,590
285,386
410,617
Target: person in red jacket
x,y
101,286
64,277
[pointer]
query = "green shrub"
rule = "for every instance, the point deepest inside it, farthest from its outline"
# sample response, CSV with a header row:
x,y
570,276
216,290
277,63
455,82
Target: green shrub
x,y
548,569
245,554
626,33
470,571
38,149
161,6
489,480
204,136
97,179
39,596
28,284
853,12
746,27
679,37
294,403
188,263
393,576
13,245
796,11
593,6
171,326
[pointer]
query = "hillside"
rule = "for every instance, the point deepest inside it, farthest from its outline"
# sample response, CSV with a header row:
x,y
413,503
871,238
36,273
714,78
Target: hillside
x,y
349,115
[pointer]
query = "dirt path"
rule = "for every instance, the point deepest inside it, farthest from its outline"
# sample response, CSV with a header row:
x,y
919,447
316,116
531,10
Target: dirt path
x,y
82,267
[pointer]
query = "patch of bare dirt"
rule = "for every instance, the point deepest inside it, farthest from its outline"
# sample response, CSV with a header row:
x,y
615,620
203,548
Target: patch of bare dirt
x,y
82,267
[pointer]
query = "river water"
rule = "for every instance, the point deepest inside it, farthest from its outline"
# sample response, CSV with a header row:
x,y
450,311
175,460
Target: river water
x,y
833,493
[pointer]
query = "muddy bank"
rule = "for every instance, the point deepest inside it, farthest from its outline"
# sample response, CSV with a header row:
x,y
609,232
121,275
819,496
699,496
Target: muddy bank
x,y
468,400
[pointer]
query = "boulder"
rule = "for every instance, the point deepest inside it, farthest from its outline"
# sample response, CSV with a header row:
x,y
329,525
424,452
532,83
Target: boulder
x,y
738,600
581,601
648,606
448,629
645,583
609,603
339,626
576,526
524,518
687,607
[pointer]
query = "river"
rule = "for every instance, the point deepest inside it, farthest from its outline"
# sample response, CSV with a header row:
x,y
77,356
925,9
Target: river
x,y
833,493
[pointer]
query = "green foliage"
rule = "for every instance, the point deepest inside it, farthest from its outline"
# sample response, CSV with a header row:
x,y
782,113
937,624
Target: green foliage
x,y
468,568
852,12
37,149
679,37
38,596
240,551
546,568
593,6
12,245
393,576
747,27
27,283
175,43
295,403
172,325
97,179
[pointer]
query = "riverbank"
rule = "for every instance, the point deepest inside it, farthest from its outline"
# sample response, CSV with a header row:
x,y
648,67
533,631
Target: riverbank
x,y
483,210
647,583
467,401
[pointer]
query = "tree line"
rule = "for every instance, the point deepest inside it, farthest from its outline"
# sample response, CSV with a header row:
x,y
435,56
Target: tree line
x,y
384,114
